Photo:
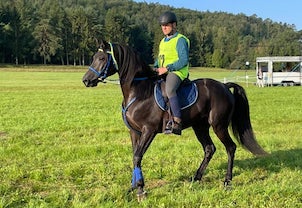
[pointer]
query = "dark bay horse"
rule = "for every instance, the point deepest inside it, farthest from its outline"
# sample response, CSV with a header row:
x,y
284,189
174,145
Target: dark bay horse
x,y
216,106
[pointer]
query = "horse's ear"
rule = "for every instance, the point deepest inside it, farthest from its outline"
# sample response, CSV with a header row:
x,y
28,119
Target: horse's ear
x,y
102,44
96,42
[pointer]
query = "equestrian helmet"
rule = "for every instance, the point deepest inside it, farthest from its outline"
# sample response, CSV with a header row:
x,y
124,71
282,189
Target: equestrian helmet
x,y
167,17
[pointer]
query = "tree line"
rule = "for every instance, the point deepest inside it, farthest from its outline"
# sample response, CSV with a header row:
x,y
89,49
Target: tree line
x,y
65,32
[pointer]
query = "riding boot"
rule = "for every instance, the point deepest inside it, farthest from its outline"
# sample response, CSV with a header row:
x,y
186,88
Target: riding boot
x,y
177,126
176,111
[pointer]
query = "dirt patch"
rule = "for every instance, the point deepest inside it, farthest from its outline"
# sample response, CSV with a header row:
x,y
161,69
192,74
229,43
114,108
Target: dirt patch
x,y
3,134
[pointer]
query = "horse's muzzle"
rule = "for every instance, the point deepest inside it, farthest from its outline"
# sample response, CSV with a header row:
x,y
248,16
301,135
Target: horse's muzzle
x,y
90,83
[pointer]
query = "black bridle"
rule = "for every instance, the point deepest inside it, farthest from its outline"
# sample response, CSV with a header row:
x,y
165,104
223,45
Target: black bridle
x,y
102,73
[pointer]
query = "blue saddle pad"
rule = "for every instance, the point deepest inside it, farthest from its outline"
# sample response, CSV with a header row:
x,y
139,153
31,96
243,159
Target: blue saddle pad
x,y
187,95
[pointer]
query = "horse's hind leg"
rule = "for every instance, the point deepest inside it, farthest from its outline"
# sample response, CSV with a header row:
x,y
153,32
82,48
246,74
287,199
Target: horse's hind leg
x,y
230,146
203,136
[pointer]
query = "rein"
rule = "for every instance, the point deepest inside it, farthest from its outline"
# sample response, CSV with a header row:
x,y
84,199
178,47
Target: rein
x,y
140,78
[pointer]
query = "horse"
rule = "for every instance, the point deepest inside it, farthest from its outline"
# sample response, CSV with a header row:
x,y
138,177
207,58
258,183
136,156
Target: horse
x,y
217,106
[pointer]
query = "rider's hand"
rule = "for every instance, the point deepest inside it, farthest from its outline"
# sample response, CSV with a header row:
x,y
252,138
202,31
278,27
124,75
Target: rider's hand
x,y
162,70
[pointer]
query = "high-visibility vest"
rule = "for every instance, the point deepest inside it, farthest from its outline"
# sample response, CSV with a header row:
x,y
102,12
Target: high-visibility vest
x,y
168,54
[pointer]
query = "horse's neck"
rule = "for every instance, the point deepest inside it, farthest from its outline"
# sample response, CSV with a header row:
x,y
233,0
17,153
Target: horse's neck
x,y
126,91
125,79
127,72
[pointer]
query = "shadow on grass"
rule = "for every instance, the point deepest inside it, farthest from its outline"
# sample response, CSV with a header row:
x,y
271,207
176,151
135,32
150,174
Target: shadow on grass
x,y
273,162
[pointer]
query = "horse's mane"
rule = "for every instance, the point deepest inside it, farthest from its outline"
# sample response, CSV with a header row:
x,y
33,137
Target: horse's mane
x,y
132,69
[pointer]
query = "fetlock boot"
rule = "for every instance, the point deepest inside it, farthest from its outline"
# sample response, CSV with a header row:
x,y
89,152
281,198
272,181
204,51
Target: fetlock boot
x,y
177,126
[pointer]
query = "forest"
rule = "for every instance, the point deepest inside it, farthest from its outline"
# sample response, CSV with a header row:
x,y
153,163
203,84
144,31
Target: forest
x,y
65,32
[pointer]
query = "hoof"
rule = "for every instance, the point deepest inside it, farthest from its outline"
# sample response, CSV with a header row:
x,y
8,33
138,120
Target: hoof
x,y
141,196
197,178
227,185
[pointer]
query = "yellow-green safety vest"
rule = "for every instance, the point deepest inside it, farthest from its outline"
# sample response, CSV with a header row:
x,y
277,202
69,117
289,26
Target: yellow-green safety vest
x,y
168,54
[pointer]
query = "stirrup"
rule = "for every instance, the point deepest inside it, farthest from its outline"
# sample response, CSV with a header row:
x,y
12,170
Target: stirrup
x,y
168,129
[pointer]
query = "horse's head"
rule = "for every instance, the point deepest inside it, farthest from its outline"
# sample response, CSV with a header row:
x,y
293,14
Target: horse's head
x,y
103,65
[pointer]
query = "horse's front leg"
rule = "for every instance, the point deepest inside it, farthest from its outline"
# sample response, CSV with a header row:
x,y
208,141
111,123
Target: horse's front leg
x,y
140,144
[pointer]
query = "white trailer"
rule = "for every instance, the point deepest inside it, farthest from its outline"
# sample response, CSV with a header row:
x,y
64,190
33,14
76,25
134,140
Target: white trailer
x,y
289,74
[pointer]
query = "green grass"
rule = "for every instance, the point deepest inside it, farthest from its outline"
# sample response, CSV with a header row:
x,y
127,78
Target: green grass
x,y
64,145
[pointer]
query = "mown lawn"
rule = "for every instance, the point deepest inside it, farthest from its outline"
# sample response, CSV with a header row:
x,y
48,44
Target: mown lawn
x,y
64,145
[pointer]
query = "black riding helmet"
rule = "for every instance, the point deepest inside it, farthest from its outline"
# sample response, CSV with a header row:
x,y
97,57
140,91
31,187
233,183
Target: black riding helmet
x,y
167,17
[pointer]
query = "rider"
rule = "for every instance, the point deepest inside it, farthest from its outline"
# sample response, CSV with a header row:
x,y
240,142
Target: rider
x,y
173,60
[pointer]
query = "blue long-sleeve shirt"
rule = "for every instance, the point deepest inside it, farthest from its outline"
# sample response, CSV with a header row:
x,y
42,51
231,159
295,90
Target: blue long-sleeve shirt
x,y
183,54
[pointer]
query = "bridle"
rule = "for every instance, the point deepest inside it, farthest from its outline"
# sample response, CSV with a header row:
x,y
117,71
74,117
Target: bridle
x,y
102,73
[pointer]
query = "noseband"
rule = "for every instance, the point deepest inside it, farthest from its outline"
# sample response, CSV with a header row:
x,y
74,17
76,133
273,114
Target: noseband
x,y
102,74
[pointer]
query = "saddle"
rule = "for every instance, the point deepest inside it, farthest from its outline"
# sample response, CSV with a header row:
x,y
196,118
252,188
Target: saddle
x,y
187,95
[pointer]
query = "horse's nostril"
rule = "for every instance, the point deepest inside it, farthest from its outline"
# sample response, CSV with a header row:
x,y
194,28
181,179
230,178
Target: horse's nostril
x,y
85,81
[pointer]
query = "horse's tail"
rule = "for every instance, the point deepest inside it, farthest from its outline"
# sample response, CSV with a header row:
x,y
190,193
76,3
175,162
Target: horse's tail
x,y
241,123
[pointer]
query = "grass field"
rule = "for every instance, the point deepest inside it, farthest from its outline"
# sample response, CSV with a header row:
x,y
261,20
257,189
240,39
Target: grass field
x,y
64,145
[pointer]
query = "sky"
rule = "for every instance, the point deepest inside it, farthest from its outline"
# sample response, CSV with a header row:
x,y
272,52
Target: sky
x,y
280,11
